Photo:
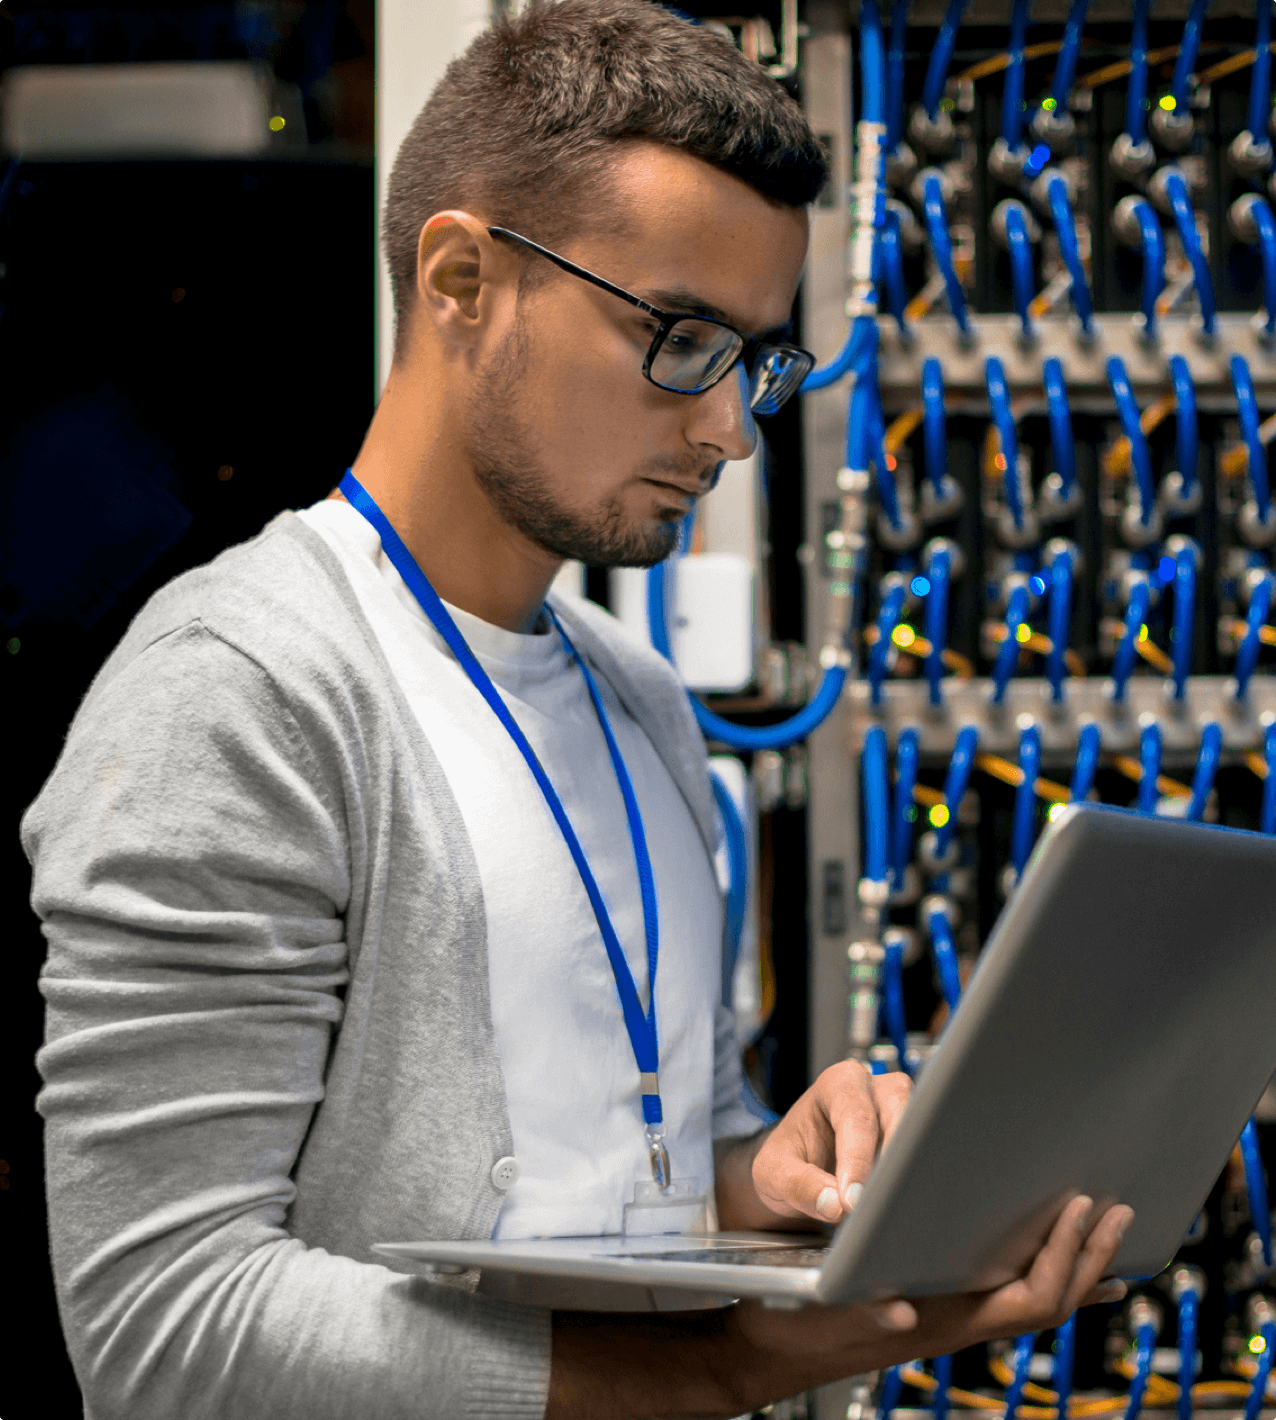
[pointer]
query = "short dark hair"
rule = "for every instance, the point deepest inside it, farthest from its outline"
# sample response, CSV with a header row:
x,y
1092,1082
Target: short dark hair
x,y
535,105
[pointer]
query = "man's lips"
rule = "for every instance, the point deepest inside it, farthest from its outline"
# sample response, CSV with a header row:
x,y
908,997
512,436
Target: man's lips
x,y
695,491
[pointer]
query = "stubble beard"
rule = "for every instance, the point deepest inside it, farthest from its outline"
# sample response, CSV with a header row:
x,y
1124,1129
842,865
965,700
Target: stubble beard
x,y
515,483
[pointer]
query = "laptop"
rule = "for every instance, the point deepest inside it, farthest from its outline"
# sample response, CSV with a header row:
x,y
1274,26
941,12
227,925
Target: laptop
x,y
1118,1030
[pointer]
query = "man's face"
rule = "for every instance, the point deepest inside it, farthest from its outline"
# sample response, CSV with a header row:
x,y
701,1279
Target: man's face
x,y
573,446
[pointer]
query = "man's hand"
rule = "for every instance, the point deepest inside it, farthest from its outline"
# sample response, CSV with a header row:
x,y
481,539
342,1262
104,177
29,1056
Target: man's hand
x,y
743,1357
814,1162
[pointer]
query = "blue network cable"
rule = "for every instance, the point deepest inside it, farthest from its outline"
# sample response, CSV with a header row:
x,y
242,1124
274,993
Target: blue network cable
x,y
1022,276
872,64
1265,229
1247,413
1189,1307
876,810
1206,769
1144,1349
1004,419
1152,242
870,215
1065,1340
942,1369
1189,47
1135,618
1066,230
1267,818
942,247
941,939
1136,96
1089,743
941,56
1185,436
866,430
1260,605
1258,1390
1260,79
1128,413
1023,829
1149,766
1065,67
1256,1186
1008,654
907,753
1020,1368
934,425
895,75
959,770
938,571
1012,93
1185,220
890,273
796,727
892,1382
1059,621
879,653
736,904
893,999
1184,616
1061,444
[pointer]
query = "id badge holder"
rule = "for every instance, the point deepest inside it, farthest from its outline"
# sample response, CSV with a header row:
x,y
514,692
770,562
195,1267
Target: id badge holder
x,y
679,1207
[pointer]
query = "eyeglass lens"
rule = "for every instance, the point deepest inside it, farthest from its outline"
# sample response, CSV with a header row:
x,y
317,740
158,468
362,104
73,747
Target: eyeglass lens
x,y
695,354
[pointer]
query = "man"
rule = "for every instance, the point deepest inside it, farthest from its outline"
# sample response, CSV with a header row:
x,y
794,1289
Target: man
x,y
329,964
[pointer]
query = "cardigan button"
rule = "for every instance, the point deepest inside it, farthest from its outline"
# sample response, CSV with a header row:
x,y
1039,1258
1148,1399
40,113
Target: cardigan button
x,y
505,1172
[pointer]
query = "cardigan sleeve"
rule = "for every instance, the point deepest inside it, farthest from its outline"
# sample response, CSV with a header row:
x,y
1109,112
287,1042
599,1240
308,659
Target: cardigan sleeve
x,y
191,872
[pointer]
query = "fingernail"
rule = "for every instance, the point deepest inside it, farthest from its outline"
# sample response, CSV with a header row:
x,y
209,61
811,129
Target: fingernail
x,y
896,1316
826,1205
1114,1291
852,1195
1124,1226
1084,1205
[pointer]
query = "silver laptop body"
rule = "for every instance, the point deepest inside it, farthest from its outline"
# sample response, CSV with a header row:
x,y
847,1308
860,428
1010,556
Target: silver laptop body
x,y
1117,1032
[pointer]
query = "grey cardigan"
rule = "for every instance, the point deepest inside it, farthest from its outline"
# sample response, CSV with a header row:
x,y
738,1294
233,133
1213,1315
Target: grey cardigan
x,y
269,1041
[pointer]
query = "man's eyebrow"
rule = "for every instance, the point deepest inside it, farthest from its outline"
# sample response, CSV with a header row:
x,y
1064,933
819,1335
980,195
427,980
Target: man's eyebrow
x,y
679,299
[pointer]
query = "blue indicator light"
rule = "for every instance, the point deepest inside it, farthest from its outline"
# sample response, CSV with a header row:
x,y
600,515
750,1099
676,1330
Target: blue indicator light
x,y
919,586
1165,569
1037,586
1037,160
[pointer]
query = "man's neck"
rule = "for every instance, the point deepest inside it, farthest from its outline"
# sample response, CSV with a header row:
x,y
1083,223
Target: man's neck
x,y
422,481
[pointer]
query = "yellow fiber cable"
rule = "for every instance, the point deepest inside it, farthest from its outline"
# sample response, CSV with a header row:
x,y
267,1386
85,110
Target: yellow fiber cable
x,y
1011,774
1002,61
1132,769
1256,763
901,428
1116,460
1122,67
1154,656
927,797
1043,645
1228,66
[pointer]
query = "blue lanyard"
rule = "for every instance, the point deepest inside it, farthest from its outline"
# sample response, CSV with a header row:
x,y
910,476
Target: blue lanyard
x,y
641,1028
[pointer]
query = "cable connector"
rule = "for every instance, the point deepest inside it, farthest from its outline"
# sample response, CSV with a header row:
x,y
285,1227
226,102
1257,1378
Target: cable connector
x,y
1130,159
1249,156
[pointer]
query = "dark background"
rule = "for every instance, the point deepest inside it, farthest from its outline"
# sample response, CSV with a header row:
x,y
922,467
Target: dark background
x,y
185,349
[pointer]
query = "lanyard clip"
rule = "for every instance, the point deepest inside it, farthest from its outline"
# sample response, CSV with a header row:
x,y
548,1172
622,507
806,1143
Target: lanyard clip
x,y
659,1155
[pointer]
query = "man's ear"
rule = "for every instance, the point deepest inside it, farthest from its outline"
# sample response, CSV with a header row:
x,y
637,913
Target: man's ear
x,y
461,277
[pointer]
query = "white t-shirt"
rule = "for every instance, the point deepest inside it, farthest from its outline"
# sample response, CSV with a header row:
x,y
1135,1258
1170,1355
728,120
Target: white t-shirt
x,y
571,1080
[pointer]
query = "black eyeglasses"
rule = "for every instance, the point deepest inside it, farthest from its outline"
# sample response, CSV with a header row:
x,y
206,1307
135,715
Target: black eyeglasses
x,y
690,354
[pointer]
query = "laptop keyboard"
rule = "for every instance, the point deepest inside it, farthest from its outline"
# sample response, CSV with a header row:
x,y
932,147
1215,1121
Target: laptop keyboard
x,y
758,1254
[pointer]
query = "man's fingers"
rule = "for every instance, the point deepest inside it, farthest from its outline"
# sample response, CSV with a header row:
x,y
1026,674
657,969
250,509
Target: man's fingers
x,y
803,1188
848,1099
890,1092
1096,1257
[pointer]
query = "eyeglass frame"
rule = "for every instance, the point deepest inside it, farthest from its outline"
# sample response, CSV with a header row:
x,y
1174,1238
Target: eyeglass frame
x,y
750,346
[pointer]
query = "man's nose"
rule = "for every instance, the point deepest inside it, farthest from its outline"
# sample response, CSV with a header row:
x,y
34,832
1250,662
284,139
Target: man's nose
x,y
722,418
